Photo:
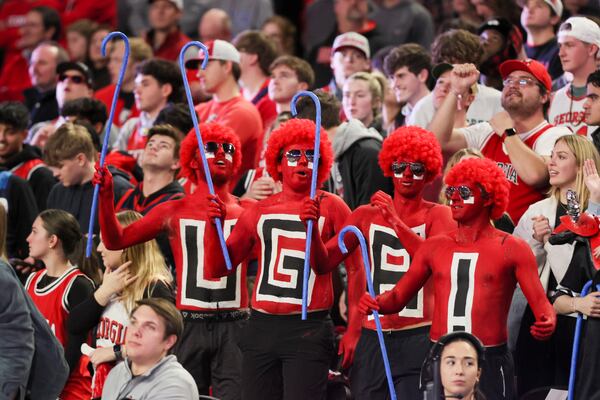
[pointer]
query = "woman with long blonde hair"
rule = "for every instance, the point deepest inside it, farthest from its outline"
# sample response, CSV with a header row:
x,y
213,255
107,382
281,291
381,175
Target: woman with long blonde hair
x,y
131,274
547,364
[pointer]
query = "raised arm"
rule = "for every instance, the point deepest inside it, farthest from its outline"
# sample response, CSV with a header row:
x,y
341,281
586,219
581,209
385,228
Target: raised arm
x,y
527,276
116,237
462,77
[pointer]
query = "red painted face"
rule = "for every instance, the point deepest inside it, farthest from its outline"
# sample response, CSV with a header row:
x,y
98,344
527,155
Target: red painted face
x,y
466,202
409,178
296,167
220,161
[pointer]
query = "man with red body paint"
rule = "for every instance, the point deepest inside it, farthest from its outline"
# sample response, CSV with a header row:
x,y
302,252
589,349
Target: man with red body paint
x,y
474,270
285,357
214,310
412,157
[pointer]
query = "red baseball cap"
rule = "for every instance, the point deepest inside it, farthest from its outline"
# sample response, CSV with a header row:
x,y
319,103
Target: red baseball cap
x,y
534,67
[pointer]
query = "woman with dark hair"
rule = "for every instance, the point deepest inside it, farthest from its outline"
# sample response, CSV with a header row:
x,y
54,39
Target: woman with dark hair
x,y
66,281
454,364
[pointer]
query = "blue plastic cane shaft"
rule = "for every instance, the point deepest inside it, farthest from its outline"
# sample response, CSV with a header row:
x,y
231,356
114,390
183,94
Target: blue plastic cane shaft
x,y
575,352
190,101
365,257
111,115
313,191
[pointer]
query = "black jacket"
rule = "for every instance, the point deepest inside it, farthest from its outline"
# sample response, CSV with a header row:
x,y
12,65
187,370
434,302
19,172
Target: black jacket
x,y
41,179
356,175
42,106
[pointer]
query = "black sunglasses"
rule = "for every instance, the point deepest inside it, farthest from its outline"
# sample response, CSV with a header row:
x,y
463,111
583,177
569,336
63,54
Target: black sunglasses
x,y
77,79
294,155
213,147
416,168
463,191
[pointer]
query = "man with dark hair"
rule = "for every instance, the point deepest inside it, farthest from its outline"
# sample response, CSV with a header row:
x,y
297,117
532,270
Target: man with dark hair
x,y
157,83
458,46
408,67
178,116
591,106
149,372
539,19
41,24
257,52
165,36
23,160
90,109
228,106
520,139
40,99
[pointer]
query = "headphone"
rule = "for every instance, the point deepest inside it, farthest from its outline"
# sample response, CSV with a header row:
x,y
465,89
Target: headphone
x,y
430,372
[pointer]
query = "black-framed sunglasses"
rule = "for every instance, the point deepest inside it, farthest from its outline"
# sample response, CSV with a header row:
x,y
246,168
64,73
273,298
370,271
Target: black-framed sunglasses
x,y
416,168
295,154
77,79
213,147
464,192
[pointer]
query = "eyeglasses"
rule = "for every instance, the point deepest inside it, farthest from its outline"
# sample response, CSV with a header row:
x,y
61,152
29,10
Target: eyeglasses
x,y
464,192
521,82
213,147
294,155
416,168
77,79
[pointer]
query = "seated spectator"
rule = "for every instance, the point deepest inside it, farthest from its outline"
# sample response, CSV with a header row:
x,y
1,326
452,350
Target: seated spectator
x,y
214,24
139,51
96,61
362,100
22,159
458,47
148,371
579,41
228,107
165,36
131,274
257,52
539,18
71,155
408,67
282,32
78,35
41,24
501,41
356,150
67,280
157,82
40,99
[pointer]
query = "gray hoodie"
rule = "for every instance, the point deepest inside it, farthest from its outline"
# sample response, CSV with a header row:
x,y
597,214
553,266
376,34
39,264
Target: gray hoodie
x,y
167,380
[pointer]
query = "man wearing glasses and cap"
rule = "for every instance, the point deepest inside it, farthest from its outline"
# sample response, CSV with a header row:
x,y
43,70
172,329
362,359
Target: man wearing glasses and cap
x,y
518,139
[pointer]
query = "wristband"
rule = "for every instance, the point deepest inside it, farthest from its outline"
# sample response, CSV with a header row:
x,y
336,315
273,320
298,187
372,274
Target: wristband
x,y
510,132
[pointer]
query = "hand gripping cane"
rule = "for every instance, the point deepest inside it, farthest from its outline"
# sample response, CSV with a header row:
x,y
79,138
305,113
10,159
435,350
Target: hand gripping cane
x,y
108,38
365,257
190,101
575,353
313,191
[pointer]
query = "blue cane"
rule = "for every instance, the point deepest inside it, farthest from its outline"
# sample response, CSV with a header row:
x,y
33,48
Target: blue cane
x,y
190,101
108,38
313,191
365,257
575,353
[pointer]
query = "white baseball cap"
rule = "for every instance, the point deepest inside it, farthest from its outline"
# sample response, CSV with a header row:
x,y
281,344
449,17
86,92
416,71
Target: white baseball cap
x,y
352,39
556,6
217,50
176,3
580,28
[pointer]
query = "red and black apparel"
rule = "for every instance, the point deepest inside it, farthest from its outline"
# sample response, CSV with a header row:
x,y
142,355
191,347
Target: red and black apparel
x,y
55,297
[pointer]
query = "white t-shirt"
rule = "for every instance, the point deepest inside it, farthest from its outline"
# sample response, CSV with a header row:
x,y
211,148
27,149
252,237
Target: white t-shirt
x,y
477,136
566,110
484,107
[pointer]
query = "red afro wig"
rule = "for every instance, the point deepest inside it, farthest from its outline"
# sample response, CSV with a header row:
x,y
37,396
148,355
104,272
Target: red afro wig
x,y
413,144
485,173
211,132
297,131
